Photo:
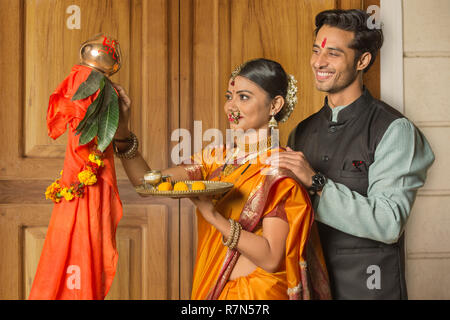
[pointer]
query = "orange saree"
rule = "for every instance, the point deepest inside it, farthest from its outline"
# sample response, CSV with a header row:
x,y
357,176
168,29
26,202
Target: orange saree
x,y
302,274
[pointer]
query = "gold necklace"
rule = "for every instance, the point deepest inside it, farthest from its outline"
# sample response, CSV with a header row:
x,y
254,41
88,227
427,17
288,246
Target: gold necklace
x,y
255,147
230,168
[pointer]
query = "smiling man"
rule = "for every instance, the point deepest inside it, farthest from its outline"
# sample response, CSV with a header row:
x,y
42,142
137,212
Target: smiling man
x,y
362,160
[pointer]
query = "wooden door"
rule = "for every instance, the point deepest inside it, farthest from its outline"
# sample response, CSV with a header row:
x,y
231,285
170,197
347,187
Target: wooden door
x,y
178,55
41,49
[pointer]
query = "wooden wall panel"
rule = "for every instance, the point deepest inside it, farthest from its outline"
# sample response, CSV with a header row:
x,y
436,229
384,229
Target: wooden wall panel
x,y
372,77
235,31
50,51
22,233
33,242
142,240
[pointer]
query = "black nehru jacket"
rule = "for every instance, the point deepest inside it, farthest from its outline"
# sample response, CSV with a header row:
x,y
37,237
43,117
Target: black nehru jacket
x,y
343,151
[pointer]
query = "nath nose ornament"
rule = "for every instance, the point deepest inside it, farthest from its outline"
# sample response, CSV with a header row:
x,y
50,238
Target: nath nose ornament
x,y
234,117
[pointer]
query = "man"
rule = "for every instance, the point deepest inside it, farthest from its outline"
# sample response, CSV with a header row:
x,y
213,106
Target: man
x,y
362,160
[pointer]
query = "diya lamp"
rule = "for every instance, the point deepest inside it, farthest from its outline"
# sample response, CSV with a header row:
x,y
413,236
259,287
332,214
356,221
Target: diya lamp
x,y
153,177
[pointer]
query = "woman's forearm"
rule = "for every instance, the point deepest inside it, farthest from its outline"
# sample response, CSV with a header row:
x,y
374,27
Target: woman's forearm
x,y
137,167
256,248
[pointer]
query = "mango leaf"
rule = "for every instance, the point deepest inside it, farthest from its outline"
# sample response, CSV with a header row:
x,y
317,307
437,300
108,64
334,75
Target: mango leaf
x,y
108,120
92,110
90,86
89,132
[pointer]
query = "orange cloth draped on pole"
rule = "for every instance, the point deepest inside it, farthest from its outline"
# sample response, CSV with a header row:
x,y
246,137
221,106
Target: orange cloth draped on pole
x,y
302,274
79,257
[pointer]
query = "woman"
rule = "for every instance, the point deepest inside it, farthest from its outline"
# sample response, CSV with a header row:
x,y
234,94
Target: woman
x,y
252,242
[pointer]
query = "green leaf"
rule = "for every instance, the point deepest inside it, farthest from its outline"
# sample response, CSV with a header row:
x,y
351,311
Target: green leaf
x,y
89,132
90,86
92,110
108,120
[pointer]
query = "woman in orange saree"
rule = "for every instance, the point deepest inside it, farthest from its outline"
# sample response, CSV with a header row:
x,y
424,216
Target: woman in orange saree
x,y
257,241
256,197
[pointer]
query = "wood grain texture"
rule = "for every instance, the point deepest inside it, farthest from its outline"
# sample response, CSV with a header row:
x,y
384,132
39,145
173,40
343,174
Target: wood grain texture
x,y
50,51
235,31
372,77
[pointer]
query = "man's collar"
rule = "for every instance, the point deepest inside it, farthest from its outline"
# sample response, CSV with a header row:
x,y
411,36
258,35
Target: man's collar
x,y
355,109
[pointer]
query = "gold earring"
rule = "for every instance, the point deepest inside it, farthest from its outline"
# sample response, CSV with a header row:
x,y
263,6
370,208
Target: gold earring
x,y
273,124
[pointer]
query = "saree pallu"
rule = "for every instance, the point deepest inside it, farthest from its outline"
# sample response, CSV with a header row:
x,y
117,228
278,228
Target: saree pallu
x,y
302,274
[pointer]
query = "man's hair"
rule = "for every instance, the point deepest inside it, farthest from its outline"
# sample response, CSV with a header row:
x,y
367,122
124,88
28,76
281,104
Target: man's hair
x,y
366,39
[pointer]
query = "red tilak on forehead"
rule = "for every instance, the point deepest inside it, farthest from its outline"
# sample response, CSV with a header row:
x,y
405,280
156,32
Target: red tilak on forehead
x,y
232,83
324,42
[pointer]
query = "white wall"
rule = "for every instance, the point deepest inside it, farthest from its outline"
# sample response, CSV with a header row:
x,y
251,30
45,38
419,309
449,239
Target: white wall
x,y
426,81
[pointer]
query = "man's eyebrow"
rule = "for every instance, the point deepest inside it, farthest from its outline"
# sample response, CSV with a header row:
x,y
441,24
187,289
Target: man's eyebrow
x,y
335,49
329,48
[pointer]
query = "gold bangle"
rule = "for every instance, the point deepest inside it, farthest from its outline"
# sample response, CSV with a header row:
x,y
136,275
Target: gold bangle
x,y
230,237
131,152
236,236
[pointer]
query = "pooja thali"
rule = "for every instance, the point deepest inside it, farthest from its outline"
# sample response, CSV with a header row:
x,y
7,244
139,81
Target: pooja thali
x,y
211,188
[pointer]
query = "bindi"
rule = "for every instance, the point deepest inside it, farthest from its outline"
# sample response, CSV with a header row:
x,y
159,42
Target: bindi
x,y
324,42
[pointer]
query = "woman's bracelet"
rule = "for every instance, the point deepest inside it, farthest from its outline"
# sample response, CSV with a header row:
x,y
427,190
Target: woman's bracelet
x,y
232,230
236,235
131,152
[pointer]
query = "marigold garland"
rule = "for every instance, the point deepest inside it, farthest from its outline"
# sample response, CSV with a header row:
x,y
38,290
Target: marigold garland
x,y
86,177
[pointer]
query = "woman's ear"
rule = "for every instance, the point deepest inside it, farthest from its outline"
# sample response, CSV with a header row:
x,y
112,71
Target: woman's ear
x,y
276,105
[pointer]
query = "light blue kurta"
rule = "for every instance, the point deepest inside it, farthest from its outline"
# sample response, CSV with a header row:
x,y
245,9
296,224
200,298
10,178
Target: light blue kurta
x,y
400,166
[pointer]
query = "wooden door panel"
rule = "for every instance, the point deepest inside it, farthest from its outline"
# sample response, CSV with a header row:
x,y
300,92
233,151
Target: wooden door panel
x,y
50,49
41,50
142,241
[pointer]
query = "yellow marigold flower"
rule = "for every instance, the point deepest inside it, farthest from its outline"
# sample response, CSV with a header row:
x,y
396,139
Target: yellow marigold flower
x,y
61,172
87,177
95,159
67,194
52,190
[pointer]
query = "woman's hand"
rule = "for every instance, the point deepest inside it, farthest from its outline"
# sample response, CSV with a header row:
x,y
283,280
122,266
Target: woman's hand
x,y
124,113
205,206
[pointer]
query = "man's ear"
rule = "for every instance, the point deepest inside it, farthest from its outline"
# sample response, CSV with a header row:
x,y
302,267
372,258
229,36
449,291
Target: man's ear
x,y
363,61
276,105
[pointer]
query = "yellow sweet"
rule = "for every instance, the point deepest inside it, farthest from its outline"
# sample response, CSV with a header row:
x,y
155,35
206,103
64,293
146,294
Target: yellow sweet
x,y
165,186
198,185
180,186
